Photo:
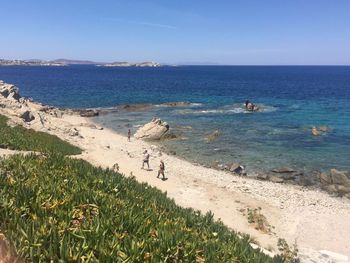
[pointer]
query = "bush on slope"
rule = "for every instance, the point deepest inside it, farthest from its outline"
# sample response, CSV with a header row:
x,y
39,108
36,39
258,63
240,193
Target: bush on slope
x,y
66,210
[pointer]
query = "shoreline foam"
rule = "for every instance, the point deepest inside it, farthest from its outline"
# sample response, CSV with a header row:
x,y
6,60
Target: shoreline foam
x,y
314,219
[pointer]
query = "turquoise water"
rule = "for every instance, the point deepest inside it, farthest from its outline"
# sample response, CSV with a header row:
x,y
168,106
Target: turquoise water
x,y
293,98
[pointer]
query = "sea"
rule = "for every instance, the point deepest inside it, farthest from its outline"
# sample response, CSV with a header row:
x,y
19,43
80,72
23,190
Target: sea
x,y
293,99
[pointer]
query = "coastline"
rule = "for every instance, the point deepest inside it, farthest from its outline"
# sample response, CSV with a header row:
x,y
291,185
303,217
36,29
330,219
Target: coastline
x,y
310,217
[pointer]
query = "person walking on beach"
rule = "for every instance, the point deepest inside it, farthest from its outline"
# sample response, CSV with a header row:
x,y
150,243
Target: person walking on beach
x,y
145,159
129,135
161,169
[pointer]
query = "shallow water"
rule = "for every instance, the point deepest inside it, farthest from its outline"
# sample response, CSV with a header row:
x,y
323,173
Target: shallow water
x,y
293,98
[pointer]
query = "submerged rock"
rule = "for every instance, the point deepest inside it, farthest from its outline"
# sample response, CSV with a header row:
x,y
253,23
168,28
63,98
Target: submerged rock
x,y
177,104
213,136
153,130
283,170
136,107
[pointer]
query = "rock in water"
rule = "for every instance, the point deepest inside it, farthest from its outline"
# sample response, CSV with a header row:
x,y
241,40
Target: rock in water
x,y
315,132
153,130
89,113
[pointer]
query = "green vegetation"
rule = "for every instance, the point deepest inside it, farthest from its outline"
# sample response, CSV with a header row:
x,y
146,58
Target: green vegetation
x,y
54,208
20,138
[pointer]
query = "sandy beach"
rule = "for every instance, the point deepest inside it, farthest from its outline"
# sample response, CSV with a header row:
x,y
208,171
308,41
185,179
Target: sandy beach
x,y
313,219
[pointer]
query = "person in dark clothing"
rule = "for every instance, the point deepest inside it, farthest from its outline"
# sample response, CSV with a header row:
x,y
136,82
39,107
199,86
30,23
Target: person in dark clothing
x,y
129,135
161,169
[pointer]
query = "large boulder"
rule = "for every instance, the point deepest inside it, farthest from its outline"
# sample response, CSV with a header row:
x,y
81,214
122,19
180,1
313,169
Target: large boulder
x,y
27,116
153,130
339,177
325,178
335,182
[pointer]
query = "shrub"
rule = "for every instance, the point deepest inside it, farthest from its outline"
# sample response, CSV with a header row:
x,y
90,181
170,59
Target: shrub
x,y
59,209
20,138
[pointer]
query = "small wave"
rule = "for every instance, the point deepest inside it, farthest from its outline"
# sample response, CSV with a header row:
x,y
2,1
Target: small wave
x,y
237,110
199,112
225,110
197,104
266,108
181,104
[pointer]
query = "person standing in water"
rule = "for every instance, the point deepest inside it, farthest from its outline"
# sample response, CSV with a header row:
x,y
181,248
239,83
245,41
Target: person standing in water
x,y
161,169
129,135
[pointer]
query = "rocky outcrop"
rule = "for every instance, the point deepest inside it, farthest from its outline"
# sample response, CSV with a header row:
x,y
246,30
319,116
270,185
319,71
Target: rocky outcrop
x,y
153,130
335,182
9,91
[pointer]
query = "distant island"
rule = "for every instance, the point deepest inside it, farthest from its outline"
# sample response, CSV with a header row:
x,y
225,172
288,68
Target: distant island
x,y
66,62
128,64
31,62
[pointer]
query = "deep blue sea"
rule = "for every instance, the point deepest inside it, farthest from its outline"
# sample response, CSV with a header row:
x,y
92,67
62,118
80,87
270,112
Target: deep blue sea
x,y
294,99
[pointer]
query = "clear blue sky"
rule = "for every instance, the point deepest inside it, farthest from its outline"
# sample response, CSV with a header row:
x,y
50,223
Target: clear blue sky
x,y
178,31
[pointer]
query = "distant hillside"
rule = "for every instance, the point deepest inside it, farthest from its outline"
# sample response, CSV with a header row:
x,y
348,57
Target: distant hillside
x,y
65,62
76,62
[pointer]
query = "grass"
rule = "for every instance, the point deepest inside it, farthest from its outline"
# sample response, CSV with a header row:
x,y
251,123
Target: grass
x,y
20,138
58,209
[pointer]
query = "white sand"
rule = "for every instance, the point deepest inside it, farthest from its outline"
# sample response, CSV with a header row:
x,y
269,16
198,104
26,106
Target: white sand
x,y
312,218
